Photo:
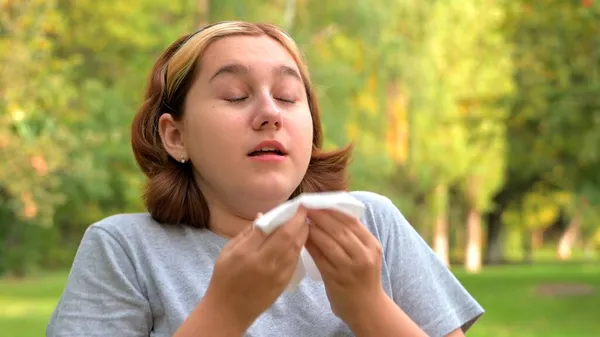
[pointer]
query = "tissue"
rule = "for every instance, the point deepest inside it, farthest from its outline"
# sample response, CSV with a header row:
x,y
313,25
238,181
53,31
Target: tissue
x,y
339,201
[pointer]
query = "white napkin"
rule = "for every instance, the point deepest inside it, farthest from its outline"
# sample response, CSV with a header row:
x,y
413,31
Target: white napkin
x,y
339,201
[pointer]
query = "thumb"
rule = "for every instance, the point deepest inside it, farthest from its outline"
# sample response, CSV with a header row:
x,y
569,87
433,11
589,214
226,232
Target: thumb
x,y
254,236
243,235
246,232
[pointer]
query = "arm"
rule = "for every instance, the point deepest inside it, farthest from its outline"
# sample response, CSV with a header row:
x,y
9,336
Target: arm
x,y
388,319
424,293
422,286
211,319
384,318
102,296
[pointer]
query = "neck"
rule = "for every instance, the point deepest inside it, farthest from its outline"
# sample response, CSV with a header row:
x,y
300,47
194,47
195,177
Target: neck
x,y
229,218
225,223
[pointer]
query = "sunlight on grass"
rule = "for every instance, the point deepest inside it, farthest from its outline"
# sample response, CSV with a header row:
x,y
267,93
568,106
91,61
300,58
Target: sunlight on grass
x,y
17,308
516,307
26,304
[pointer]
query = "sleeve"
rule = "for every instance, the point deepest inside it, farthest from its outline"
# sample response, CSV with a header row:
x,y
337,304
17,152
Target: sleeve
x,y
102,296
422,286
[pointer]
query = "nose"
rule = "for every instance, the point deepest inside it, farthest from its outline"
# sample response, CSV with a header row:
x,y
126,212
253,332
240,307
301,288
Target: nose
x,y
267,116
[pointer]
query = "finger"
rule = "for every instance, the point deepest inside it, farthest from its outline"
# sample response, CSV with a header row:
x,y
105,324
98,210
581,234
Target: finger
x,y
329,247
323,264
246,232
357,228
240,237
289,237
254,236
338,231
302,238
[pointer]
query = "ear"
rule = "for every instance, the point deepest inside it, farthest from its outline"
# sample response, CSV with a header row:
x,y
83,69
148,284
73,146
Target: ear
x,y
172,137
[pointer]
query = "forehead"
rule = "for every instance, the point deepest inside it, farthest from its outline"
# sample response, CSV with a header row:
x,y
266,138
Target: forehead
x,y
250,51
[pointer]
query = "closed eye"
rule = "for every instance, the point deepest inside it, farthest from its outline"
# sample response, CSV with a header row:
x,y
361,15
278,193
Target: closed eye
x,y
235,100
285,100
241,99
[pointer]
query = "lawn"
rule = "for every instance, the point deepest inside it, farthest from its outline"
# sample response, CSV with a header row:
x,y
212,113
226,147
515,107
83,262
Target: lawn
x,y
26,305
521,301
550,300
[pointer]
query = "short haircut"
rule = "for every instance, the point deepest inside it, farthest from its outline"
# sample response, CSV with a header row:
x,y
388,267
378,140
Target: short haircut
x,y
171,195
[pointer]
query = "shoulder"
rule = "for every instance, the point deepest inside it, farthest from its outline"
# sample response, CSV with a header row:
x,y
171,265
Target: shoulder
x,y
381,215
372,199
105,282
132,231
377,206
396,235
124,222
124,225
428,291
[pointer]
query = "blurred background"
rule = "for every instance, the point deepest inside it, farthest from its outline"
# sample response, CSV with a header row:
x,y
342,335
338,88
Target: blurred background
x,y
480,119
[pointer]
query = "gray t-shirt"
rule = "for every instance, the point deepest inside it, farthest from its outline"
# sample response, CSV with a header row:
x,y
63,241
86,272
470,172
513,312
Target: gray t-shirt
x,y
135,277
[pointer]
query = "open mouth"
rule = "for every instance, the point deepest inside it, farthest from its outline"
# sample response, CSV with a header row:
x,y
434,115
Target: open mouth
x,y
263,152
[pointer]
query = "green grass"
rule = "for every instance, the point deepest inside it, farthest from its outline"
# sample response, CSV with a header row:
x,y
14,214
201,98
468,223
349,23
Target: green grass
x,y
26,305
515,309
508,293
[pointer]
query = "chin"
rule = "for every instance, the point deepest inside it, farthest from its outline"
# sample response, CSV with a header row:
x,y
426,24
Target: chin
x,y
273,191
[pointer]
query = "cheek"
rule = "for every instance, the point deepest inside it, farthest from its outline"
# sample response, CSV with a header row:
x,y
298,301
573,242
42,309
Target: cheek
x,y
301,132
210,136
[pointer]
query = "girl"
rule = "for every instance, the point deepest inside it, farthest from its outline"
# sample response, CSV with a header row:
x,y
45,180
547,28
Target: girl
x,y
229,128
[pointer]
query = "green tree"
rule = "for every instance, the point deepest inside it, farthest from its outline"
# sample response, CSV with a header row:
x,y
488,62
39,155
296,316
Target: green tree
x,y
552,128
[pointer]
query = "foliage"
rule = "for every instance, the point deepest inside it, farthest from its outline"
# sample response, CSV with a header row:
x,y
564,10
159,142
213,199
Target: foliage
x,y
476,100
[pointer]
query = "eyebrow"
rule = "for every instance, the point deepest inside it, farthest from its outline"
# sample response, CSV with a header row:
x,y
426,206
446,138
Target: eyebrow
x,y
234,69
230,69
288,71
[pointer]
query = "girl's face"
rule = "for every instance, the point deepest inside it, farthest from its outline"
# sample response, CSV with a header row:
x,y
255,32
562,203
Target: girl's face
x,y
246,127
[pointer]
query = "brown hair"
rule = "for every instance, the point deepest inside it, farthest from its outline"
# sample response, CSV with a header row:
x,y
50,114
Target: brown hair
x,y
172,195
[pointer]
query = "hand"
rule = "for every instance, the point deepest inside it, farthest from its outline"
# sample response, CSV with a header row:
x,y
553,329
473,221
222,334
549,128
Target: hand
x,y
349,259
254,269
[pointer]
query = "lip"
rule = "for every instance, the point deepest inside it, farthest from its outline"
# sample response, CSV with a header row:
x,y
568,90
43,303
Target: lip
x,y
270,143
268,158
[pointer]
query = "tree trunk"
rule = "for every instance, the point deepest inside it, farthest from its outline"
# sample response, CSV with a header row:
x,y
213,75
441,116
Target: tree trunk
x,y
494,253
458,242
397,134
289,14
203,11
537,239
473,252
568,238
528,243
513,191
440,232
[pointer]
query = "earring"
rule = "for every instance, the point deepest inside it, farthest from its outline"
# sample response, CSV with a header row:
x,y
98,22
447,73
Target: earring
x,y
182,159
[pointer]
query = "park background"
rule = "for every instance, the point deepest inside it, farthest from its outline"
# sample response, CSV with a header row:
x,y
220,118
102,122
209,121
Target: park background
x,y
480,119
